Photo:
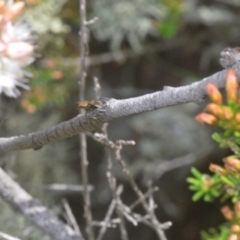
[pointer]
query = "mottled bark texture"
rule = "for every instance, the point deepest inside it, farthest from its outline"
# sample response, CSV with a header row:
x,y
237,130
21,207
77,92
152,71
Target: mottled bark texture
x,y
112,109
39,215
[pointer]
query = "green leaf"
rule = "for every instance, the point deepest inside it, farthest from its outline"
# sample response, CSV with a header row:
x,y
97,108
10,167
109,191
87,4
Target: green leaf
x,y
236,134
193,181
197,196
227,181
217,137
194,188
214,192
196,173
208,198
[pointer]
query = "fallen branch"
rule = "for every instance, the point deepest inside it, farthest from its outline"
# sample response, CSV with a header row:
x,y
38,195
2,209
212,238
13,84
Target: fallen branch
x,y
39,215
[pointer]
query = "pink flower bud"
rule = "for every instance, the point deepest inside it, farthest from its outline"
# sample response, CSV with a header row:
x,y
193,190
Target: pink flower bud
x,y
227,113
231,85
18,50
233,162
206,118
7,33
215,109
214,94
2,6
216,169
12,11
227,212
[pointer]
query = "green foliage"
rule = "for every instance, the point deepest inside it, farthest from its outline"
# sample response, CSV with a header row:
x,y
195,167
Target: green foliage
x,y
134,20
204,186
168,28
43,23
225,181
214,234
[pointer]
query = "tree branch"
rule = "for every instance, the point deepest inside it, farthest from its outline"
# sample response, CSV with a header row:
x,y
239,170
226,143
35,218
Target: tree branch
x,y
113,108
39,215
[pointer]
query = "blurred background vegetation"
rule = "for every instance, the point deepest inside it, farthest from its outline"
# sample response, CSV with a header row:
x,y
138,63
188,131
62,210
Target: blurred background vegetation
x,y
136,47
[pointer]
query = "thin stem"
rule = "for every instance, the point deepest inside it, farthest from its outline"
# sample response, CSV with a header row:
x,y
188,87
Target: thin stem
x,y
106,220
155,223
71,216
83,141
112,183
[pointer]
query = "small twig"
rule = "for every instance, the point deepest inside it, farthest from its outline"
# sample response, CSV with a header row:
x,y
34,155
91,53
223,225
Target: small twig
x,y
155,223
151,202
106,220
115,193
147,194
101,224
8,237
102,138
91,21
71,216
83,141
58,187
97,87
127,212
112,183
111,179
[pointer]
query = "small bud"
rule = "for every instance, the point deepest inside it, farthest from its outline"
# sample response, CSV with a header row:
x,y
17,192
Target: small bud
x,y
232,162
237,117
227,212
231,86
215,109
207,183
227,113
237,208
206,118
235,228
216,168
2,6
12,11
214,94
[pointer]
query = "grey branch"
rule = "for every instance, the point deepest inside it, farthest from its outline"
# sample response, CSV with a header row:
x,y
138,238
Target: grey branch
x,y
113,109
39,215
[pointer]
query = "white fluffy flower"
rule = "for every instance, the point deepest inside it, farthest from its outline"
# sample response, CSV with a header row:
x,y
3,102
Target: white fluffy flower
x,y
12,76
16,52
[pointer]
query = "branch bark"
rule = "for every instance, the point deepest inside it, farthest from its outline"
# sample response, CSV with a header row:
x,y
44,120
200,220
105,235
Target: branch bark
x,y
113,109
39,215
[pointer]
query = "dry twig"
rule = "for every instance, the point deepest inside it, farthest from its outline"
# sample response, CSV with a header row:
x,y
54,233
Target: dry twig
x,y
71,216
83,141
